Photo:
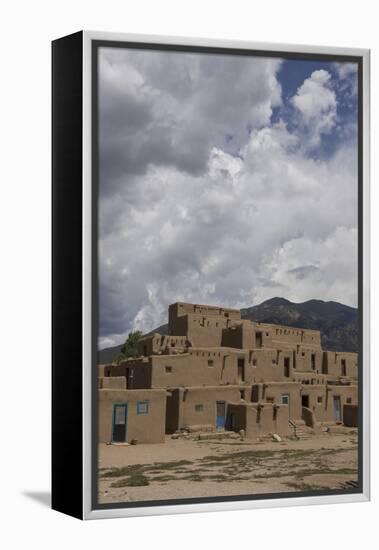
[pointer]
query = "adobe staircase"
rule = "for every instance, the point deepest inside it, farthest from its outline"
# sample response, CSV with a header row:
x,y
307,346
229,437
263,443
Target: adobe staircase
x,y
300,430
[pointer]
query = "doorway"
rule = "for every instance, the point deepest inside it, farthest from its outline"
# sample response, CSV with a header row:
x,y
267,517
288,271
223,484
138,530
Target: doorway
x,y
119,427
258,339
220,414
337,408
241,370
287,367
305,401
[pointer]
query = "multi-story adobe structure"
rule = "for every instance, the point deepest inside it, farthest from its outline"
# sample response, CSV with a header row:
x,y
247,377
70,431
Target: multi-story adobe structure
x,y
215,370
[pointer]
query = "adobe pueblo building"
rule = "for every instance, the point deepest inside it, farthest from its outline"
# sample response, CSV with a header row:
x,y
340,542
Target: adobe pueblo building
x,y
216,371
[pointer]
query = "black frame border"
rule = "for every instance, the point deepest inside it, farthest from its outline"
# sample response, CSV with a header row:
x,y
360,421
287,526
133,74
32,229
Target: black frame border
x,y
67,254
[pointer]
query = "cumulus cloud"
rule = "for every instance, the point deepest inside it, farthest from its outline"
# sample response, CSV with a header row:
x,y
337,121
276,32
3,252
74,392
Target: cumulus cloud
x,y
209,200
316,104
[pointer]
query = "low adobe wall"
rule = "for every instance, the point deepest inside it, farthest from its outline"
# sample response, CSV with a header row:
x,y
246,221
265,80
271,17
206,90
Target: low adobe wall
x,y
145,428
258,419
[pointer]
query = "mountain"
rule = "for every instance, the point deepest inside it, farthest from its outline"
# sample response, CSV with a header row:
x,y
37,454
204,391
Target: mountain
x,y
337,323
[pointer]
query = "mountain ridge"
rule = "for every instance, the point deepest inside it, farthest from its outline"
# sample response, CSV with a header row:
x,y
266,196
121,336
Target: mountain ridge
x,y
337,323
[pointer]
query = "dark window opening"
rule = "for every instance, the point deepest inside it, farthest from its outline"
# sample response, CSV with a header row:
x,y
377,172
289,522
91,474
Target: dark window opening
x,y
286,367
343,367
241,370
258,339
305,401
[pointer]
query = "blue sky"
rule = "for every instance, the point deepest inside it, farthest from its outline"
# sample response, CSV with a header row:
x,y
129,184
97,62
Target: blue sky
x,y
223,180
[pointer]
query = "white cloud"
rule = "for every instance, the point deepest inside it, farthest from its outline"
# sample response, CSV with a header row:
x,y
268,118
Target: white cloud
x,y
316,102
268,221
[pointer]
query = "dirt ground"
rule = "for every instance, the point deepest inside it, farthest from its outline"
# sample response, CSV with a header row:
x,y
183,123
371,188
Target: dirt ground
x,y
188,469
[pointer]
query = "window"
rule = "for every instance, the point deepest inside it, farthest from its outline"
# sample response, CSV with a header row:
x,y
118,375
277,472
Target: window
x,y
254,362
242,395
168,370
319,399
285,399
210,362
273,362
142,407
348,400
199,407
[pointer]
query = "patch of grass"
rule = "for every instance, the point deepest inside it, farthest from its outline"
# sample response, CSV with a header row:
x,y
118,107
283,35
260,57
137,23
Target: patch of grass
x,y
167,465
163,478
301,486
132,481
132,469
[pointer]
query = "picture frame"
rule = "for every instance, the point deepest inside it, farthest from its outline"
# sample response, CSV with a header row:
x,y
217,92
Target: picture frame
x,y
84,404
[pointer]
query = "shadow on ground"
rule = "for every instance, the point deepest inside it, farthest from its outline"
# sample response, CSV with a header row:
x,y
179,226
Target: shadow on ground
x,y
41,497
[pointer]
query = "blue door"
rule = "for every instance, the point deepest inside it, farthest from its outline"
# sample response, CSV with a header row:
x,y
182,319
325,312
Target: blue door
x,y
119,423
220,414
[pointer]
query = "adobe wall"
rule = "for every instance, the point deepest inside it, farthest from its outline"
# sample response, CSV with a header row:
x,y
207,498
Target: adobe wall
x,y
145,428
191,398
268,365
282,335
157,343
320,399
333,364
136,371
258,420
112,382
181,308
308,360
205,331
272,393
212,366
246,335
198,366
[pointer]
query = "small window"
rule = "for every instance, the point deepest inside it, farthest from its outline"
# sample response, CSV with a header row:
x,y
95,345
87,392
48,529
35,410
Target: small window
x,y
273,362
285,399
199,407
168,370
254,362
348,400
319,399
142,407
242,395
210,362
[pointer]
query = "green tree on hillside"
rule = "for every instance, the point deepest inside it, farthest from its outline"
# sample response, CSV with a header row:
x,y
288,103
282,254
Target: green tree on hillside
x,y
129,349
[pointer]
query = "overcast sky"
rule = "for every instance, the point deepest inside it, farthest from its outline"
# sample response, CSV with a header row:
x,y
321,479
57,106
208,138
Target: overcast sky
x,y
223,180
